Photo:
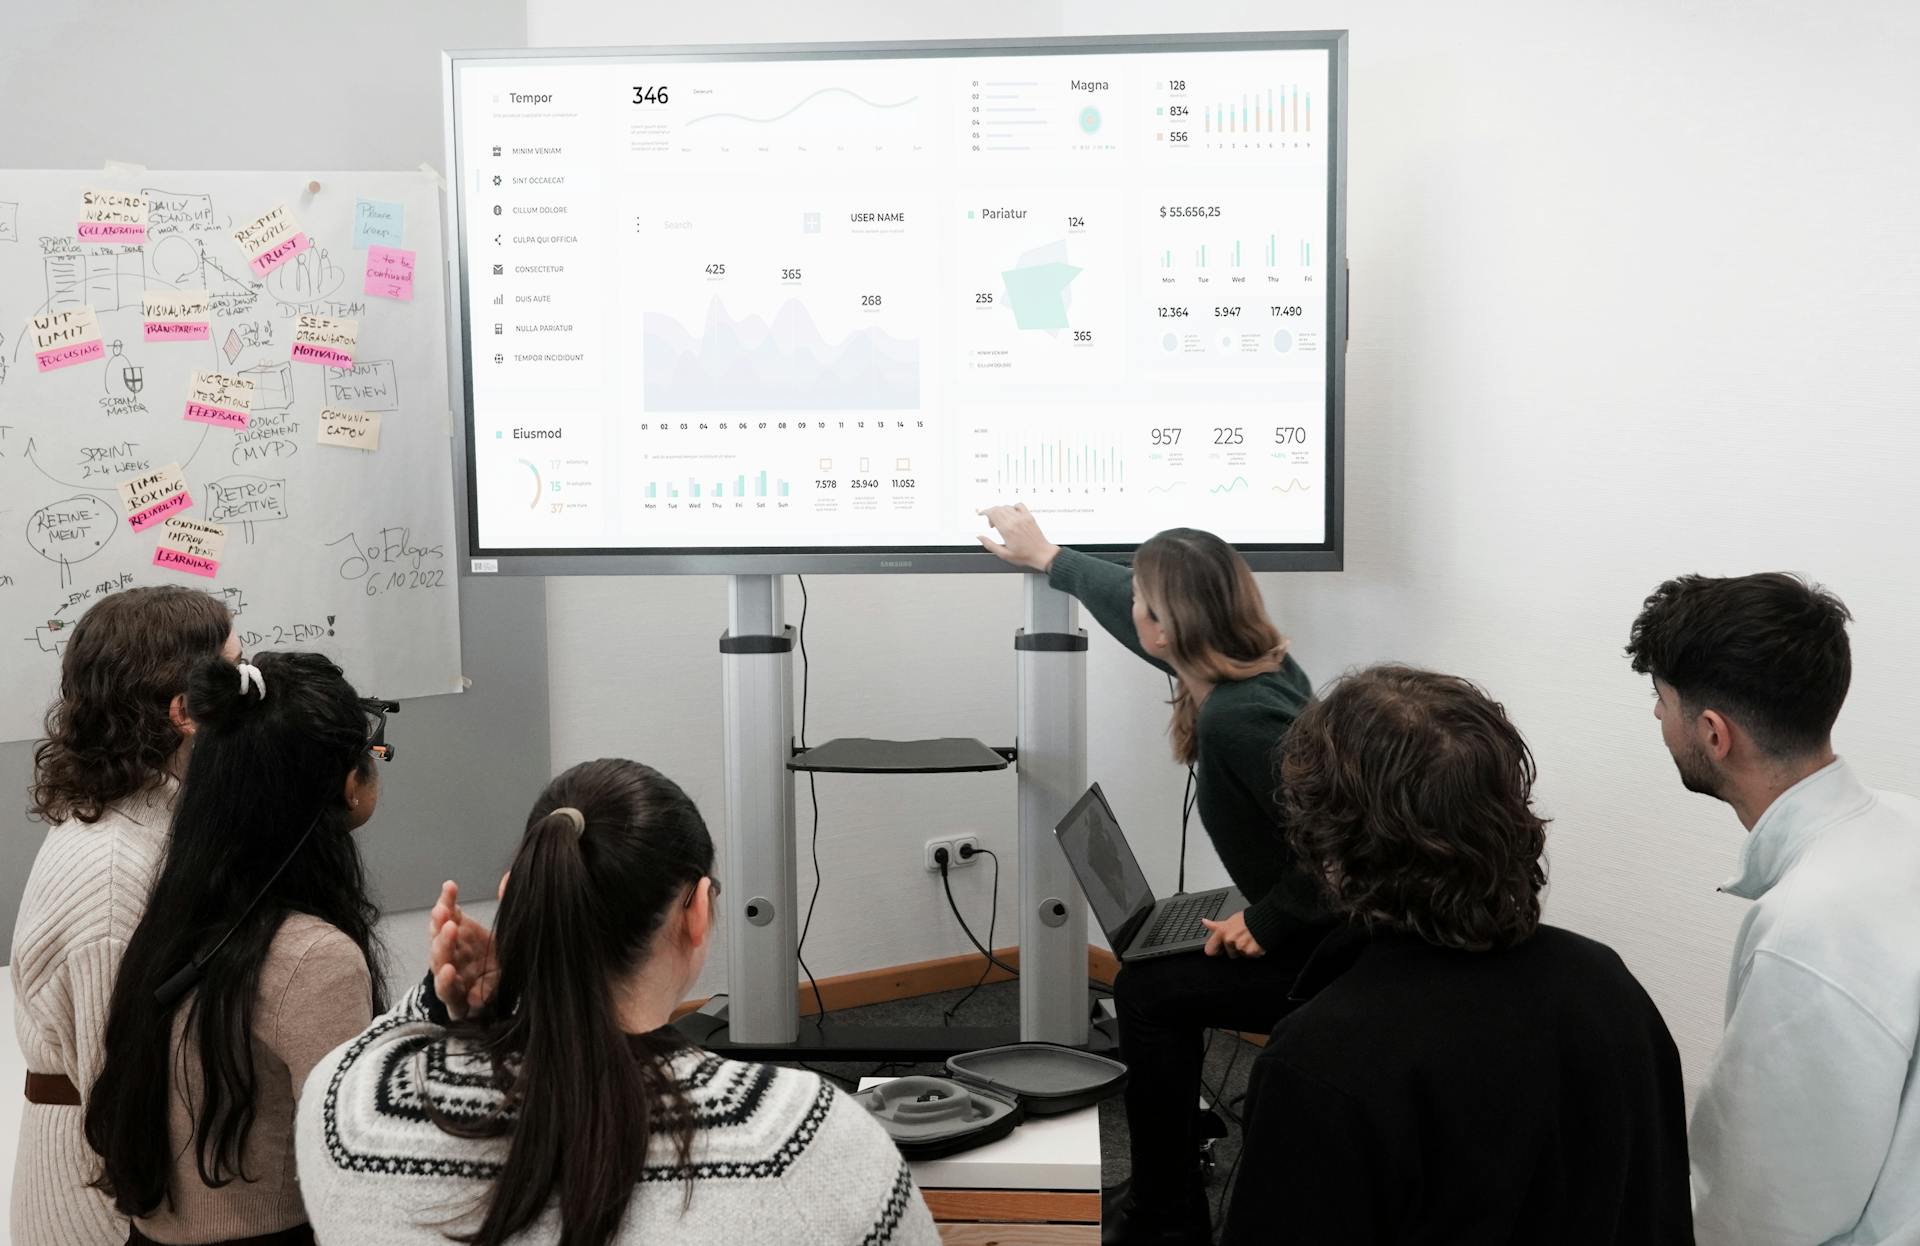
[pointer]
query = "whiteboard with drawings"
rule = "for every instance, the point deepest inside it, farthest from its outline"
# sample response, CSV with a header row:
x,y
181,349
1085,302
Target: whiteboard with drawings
x,y
233,381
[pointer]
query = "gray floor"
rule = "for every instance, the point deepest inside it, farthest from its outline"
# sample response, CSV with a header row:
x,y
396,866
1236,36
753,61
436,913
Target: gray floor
x,y
1228,1062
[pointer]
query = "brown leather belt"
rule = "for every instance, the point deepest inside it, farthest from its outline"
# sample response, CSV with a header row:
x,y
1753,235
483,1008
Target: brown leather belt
x,y
52,1090
298,1235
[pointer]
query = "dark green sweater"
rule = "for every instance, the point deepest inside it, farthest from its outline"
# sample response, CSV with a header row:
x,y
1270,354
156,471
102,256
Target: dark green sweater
x,y
1235,783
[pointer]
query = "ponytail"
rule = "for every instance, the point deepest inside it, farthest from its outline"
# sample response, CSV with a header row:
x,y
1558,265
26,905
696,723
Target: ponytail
x,y
608,848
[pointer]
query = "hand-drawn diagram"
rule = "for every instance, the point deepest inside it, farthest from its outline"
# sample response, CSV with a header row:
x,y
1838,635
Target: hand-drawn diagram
x,y
71,530
121,378
51,636
307,278
71,437
105,279
272,385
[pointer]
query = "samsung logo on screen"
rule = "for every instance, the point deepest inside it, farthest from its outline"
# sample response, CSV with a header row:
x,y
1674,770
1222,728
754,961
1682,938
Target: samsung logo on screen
x,y
896,562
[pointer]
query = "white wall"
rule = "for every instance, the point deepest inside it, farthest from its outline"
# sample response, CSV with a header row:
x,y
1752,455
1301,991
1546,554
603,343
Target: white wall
x,y
1634,293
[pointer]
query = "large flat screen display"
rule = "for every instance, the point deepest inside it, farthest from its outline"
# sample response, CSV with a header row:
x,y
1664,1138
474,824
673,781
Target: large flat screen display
x,y
812,308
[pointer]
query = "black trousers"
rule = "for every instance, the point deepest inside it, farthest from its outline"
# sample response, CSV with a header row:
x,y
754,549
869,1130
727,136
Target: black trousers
x,y
1165,1008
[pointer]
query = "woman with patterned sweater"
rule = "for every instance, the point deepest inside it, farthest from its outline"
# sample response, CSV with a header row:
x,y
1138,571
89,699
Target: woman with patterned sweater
x,y
532,1091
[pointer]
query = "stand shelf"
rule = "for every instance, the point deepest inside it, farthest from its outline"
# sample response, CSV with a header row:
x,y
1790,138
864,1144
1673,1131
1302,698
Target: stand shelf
x,y
860,755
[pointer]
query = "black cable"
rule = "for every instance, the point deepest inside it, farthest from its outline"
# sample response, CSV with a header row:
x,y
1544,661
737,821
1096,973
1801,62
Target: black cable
x,y
1187,800
806,667
1226,1080
993,917
813,794
991,959
1217,1098
1186,811
189,975
1226,1189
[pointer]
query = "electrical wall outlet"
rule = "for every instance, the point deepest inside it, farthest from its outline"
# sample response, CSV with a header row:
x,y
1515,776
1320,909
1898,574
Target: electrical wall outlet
x,y
954,859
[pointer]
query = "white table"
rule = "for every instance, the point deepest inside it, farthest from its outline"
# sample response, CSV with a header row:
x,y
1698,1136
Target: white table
x,y
1038,1186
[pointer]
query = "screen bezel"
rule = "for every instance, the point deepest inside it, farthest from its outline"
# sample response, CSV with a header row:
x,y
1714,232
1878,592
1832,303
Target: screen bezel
x,y
1326,555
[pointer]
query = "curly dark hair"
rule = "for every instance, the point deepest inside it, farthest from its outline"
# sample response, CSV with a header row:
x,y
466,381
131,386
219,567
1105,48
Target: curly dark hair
x,y
1769,651
1411,792
109,735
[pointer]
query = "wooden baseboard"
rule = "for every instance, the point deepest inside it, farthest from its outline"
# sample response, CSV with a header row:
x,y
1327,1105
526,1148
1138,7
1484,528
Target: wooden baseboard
x,y
929,977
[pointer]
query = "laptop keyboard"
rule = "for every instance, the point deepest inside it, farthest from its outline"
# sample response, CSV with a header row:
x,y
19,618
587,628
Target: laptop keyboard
x,y
1179,920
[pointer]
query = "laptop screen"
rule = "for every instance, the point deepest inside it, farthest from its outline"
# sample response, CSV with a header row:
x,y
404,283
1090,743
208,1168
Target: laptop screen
x,y
1116,889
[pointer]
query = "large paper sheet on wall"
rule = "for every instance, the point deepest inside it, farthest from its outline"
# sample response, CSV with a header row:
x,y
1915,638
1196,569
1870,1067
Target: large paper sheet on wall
x,y
233,382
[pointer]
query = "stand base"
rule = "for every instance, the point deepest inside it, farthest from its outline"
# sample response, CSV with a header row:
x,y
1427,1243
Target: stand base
x,y
836,1041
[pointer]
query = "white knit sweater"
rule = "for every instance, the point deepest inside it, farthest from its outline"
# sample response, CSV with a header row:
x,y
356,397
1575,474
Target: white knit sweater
x,y
86,893
779,1157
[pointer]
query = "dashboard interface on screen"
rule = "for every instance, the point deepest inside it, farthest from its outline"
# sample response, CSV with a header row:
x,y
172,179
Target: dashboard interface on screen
x,y
827,304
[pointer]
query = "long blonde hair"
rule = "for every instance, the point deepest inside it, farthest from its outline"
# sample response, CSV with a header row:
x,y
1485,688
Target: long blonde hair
x,y
1202,592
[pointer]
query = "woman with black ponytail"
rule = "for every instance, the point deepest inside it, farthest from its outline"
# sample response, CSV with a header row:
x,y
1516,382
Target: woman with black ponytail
x,y
530,1090
255,956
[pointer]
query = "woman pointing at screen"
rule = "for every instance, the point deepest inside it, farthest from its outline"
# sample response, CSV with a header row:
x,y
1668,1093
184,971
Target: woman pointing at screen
x,y
1191,608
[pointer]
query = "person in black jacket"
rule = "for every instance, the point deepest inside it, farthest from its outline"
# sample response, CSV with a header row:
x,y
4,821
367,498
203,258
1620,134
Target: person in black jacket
x,y
1457,1072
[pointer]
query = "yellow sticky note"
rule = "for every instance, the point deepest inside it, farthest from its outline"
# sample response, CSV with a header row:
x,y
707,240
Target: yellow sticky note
x,y
356,430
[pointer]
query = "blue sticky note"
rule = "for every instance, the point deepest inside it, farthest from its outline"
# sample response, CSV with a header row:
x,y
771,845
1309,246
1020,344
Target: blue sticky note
x,y
378,224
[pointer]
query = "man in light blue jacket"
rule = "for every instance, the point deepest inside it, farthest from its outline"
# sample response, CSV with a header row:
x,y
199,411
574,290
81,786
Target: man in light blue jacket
x,y
1807,1130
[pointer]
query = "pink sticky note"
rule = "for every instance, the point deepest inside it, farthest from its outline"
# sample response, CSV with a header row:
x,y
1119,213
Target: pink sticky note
x,y
274,256
306,352
389,273
111,231
177,331
220,417
192,564
160,510
67,356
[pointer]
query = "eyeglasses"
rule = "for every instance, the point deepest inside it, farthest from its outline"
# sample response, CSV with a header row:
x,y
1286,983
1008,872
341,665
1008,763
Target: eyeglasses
x,y
378,709
713,892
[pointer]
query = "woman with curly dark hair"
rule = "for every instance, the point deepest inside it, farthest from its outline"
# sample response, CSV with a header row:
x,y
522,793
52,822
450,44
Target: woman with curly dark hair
x,y
104,779
1457,1072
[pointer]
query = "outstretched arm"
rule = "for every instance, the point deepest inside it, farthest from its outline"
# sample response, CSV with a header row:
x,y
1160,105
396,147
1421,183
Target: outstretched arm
x,y
1104,588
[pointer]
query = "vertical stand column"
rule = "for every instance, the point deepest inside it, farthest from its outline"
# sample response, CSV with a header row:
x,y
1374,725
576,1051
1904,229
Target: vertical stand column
x,y
1051,654
760,891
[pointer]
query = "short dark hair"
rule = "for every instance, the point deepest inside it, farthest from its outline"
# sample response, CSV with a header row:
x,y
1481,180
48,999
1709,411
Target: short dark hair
x,y
1769,650
1410,792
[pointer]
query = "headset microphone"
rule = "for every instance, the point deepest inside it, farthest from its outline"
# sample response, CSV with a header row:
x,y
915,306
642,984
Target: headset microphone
x,y
189,974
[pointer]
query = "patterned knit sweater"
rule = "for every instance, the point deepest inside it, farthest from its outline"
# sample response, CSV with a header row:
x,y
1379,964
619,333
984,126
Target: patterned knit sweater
x,y
85,895
778,1157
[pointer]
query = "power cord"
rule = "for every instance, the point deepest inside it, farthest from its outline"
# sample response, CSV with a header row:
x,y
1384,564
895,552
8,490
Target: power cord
x,y
1187,801
813,795
993,918
1225,1108
940,859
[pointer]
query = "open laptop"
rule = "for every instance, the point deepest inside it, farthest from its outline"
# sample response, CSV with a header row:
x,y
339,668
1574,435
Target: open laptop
x,y
1137,926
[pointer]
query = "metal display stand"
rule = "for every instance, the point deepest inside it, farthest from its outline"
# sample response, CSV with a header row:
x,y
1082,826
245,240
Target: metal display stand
x,y
760,1016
